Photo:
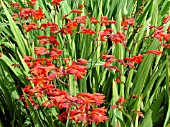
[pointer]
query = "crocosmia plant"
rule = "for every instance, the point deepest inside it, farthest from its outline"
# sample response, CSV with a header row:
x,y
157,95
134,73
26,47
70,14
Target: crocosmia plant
x,y
85,63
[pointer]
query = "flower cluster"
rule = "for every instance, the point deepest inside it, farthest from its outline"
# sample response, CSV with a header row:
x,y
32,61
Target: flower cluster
x,y
45,69
43,72
80,108
48,66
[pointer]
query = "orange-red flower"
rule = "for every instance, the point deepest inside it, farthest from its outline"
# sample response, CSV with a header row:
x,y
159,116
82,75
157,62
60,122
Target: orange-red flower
x,y
40,51
38,14
117,38
82,5
165,45
15,4
107,57
55,53
98,115
48,40
137,59
81,19
134,59
71,24
87,30
26,13
76,11
156,52
30,27
82,61
166,19
118,80
56,2
160,34
93,20
126,22
112,22
32,2
121,100
15,16
103,35
104,20
87,98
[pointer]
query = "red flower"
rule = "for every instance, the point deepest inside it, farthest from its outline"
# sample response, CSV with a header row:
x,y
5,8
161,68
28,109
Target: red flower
x,y
106,64
151,27
27,88
126,22
71,24
76,11
26,12
48,104
166,37
93,20
88,98
57,2
122,62
30,27
114,106
109,30
156,52
134,96
82,61
137,59
15,4
43,40
117,38
118,80
159,34
82,5
53,40
130,21
15,16
81,19
44,25
131,65
32,2
104,20
28,58
83,113
98,115
40,51
165,45
38,14
65,30
66,60
134,59
107,57
87,30
125,25
121,100
77,69
128,59
112,22
103,35
55,53
166,19
53,27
